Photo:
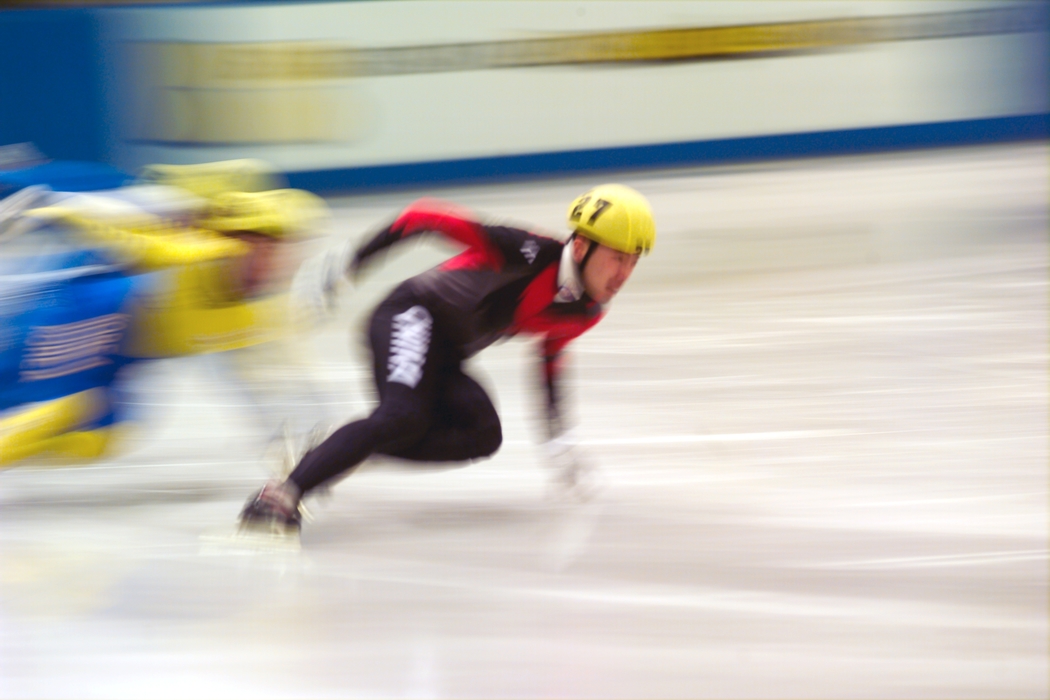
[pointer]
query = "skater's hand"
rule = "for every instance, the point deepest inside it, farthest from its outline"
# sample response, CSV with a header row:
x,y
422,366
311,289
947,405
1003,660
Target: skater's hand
x,y
572,472
318,283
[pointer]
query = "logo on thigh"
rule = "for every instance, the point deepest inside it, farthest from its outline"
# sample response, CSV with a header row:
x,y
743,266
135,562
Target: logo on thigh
x,y
409,342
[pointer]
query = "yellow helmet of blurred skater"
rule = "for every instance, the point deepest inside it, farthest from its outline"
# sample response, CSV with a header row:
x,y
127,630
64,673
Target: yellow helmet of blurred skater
x,y
277,213
209,180
615,216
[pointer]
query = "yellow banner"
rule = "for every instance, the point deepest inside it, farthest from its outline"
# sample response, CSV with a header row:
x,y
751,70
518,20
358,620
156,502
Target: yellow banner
x,y
301,92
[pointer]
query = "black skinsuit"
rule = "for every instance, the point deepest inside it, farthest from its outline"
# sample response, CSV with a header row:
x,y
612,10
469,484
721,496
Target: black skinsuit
x,y
504,283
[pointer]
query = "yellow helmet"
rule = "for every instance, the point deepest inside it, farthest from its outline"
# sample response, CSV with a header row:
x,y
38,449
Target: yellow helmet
x,y
615,216
209,180
275,213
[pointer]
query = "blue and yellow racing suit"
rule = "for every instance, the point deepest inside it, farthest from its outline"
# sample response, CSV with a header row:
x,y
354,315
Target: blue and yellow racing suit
x,y
63,329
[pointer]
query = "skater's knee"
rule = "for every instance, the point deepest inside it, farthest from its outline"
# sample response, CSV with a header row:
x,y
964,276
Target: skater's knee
x,y
489,440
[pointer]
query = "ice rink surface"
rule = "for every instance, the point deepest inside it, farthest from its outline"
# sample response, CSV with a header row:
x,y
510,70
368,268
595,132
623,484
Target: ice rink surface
x,y
820,414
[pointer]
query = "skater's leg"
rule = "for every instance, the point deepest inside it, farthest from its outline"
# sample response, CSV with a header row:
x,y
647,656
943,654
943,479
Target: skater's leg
x,y
408,356
465,427
67,426
401,420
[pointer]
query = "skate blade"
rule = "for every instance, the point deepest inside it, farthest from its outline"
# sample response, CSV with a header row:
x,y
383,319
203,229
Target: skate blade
x,y
248,540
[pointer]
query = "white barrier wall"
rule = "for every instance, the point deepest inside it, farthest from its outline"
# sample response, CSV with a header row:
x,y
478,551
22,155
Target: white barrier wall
x,y
350,85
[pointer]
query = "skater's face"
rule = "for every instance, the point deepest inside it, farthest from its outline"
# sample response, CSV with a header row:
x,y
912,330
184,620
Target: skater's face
x,y
265,265
606,270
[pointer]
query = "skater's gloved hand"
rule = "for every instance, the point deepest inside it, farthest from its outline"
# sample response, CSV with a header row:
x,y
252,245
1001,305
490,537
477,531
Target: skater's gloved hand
x,y
318,283
572,472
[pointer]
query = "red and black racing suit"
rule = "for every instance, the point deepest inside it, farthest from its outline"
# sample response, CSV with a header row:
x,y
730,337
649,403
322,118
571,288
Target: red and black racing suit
x,y
504,283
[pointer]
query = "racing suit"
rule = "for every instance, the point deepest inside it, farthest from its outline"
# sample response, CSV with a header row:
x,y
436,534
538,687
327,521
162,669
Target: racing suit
x,y
62,333
506,281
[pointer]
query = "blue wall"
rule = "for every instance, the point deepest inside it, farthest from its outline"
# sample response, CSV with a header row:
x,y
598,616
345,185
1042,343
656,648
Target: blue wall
x,y
50,84
698,153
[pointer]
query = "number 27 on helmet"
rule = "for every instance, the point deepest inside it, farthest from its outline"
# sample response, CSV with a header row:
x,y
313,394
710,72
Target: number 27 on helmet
x,y
615,216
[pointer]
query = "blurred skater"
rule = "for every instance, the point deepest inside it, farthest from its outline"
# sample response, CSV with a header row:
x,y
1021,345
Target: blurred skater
x,y
507,281
65,314
209,276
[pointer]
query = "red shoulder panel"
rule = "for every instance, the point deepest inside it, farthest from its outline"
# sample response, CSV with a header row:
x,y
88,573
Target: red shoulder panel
x,y
453,222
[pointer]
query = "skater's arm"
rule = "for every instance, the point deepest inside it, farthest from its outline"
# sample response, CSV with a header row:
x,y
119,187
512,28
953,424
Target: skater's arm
x,y
570,469
147,248
553,371
426,216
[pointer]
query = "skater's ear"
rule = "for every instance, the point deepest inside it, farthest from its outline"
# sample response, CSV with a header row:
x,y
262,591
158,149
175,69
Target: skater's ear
x,y
582,247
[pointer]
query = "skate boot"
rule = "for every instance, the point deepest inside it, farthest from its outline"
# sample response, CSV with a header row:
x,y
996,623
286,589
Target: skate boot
x,y
273,511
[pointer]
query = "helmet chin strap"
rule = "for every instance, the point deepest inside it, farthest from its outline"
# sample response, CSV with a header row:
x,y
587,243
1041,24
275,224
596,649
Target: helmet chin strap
x,y
591,247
